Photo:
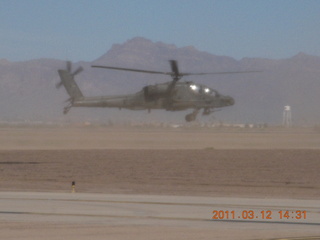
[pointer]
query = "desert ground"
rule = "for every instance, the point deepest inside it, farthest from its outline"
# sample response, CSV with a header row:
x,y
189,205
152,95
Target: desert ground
x,y
264,164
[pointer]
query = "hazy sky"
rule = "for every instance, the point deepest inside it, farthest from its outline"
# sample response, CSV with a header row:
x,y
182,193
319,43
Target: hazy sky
x,y
86,29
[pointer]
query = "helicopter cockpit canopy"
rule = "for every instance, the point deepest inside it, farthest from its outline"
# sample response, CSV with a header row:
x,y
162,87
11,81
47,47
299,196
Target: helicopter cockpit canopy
x,y
201,89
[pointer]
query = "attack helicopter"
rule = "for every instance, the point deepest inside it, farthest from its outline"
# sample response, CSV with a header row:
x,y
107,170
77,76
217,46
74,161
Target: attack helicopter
x,y
171,96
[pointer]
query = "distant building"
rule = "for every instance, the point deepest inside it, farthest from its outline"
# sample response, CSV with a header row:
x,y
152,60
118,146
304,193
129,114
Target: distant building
x,y
287,120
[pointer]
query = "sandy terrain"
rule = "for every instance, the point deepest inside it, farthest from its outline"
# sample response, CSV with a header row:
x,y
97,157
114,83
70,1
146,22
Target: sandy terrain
x,y
173,162
239,173
148,138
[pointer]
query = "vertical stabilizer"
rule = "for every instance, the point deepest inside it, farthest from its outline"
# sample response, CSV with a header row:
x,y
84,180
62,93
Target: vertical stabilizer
x,y
67,80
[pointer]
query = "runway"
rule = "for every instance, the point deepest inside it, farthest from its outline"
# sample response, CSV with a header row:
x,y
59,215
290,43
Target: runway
x,y
171,217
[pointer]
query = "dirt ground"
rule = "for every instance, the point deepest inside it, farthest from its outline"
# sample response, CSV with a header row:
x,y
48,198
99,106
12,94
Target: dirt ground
x,y
279,165
56,138
238,173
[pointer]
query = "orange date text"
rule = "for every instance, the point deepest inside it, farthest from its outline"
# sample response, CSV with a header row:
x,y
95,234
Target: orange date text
x,y
259,215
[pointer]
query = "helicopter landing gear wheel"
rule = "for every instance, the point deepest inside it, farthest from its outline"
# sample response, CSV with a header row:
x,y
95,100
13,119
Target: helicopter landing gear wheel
x,y
192,116
67,109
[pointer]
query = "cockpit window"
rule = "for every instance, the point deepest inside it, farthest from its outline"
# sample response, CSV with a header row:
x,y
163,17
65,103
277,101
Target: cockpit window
x,y
194,87
207,90
201,89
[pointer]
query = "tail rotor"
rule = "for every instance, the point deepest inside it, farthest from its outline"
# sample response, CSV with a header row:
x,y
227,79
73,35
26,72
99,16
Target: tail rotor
x,y
67,80
69,70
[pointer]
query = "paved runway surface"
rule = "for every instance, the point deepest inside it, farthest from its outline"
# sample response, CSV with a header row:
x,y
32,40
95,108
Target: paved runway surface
x,y
260,218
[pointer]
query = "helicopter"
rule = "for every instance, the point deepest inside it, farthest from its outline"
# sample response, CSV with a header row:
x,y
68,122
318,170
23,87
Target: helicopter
x,y
174,95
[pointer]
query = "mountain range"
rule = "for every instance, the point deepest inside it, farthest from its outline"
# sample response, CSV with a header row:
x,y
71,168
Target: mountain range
x,y
28,92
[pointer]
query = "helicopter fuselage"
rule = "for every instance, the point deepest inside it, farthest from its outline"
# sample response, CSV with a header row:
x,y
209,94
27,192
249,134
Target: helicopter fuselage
x,y
186,95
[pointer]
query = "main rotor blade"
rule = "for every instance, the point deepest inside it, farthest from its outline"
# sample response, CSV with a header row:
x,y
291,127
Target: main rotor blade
x,y
132,70
174,67
175,71
175,74
191,74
